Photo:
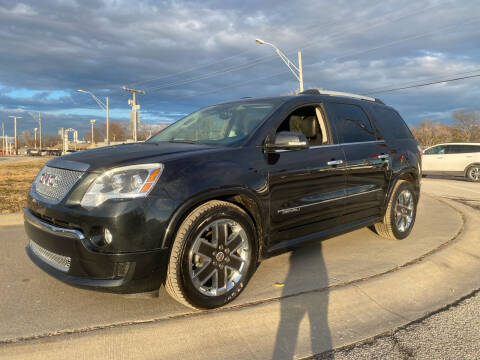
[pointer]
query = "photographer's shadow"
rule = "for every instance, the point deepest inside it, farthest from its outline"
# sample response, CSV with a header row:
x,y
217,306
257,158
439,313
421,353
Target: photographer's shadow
x,y
305,262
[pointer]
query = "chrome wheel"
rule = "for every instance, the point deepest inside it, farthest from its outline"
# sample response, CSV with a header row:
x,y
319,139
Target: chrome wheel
x,y
404,210
474,173
219,257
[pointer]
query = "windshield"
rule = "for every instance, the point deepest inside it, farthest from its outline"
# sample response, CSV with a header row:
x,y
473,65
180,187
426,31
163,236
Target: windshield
x,y
224,124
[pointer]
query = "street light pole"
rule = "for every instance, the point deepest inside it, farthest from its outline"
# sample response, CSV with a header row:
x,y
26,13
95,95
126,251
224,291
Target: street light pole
x,y
40,133
3,139
300,70
296,71
15,130
39,128
104,106
91,125
107,120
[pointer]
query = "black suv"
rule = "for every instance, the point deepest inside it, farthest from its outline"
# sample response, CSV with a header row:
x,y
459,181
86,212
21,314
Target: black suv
x,y
198,205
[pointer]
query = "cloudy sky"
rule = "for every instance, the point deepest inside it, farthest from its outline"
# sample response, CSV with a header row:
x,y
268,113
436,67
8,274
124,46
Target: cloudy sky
x,y
188,54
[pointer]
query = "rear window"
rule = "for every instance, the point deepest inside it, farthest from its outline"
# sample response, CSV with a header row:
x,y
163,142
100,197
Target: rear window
x,y
391,124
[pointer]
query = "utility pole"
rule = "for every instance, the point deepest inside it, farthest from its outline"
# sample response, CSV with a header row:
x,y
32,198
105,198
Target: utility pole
x,y
91,125
15,130
35,132
135,107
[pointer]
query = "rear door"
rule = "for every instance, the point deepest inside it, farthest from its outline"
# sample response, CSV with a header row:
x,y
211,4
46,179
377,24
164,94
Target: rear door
x,y
455,159
367,161
458,157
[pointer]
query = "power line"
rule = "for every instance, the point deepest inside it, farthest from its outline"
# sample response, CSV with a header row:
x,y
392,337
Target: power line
x,y
353,54
421,85
335,36
308,29
431,78
233,86
408,38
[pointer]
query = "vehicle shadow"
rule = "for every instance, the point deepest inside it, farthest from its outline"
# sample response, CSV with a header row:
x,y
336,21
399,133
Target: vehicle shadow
x,y
447,177
295,309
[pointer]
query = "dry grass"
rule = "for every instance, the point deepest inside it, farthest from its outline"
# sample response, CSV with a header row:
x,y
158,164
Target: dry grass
x,y
16,177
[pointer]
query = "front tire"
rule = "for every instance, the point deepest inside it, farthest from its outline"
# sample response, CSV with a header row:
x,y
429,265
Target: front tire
x,y
473,173
400,214
213,256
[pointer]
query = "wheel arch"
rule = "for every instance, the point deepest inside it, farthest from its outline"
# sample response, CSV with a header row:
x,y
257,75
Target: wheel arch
x,y
242,197
469,166
408,174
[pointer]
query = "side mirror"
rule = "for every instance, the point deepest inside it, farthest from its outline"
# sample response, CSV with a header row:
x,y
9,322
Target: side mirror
x,y
286,140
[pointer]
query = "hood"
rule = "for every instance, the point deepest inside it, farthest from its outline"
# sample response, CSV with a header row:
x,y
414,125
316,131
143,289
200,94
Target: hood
x,y
108,157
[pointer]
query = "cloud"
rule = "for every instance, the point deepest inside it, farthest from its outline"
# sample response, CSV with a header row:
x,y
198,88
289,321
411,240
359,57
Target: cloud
x,y
188,54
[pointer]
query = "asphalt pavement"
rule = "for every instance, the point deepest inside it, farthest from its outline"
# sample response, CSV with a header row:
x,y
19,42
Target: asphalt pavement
x,y
334,293
452,333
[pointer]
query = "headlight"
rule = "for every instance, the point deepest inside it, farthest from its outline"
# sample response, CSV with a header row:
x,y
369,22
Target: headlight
x,y
125,182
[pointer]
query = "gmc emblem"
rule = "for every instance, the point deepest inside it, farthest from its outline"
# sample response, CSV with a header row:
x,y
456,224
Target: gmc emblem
x,y
49,179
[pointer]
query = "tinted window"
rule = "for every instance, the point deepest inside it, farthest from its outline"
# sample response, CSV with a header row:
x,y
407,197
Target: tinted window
x,y
462,149
390,123
352,124
453,149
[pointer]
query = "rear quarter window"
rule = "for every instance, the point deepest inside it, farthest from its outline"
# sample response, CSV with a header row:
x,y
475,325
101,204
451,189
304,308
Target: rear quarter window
x,y
469,148
391,124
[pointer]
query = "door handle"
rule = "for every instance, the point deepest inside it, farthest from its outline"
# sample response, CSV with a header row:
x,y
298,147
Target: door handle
x,y
334,162
383,156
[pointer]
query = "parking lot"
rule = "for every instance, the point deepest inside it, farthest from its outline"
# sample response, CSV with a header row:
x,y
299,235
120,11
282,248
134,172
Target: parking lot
x,y
324,295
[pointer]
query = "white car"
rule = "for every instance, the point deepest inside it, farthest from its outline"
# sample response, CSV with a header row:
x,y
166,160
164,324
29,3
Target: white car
x,y
455,159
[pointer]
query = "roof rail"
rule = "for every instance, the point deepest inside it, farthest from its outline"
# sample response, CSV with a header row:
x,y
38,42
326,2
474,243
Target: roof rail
x,y
318,91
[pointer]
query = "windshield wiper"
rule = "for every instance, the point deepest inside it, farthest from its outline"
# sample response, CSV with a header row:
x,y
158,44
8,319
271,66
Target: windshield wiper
x,y
183,141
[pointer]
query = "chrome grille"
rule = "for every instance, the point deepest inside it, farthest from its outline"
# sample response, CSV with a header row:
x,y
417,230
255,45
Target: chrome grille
x,y
54,183
57,261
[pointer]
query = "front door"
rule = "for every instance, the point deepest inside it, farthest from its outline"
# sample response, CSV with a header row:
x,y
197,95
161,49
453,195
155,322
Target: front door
x,y
307,187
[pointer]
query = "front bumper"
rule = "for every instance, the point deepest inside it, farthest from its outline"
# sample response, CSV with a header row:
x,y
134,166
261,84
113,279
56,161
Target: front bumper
x,y
67,255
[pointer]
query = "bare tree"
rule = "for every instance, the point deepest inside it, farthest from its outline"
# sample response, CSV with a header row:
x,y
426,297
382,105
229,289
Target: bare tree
x,y
52,140
467,123
117,132
465,128
26,139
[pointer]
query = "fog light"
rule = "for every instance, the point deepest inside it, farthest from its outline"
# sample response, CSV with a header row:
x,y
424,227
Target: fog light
x,y
120,269
108,236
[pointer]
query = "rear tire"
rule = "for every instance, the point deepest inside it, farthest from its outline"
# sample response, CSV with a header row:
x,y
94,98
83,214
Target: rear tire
x,y
473,173
400,214
213,256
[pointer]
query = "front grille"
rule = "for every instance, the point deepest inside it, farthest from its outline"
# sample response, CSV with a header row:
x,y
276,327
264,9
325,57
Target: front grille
x,y
57,261
54,183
